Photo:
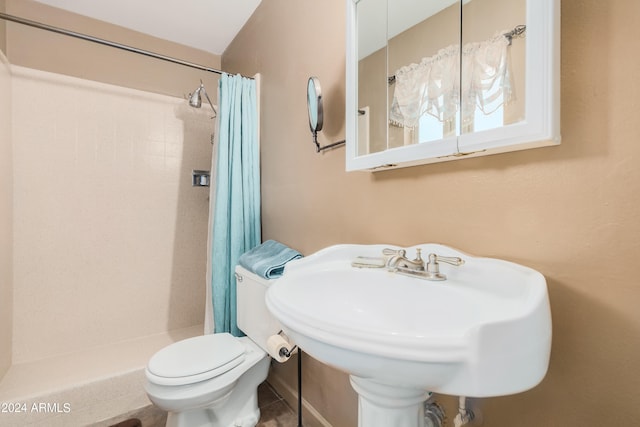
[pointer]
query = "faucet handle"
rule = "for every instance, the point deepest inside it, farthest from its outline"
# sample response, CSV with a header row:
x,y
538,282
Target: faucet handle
x,y
453,260
433,268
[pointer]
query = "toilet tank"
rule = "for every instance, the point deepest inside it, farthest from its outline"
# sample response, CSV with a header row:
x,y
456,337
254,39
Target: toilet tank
x,y
254,318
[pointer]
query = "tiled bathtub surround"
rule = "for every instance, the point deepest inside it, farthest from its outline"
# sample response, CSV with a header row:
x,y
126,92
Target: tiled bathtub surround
x,y
109,234
109,238
6,216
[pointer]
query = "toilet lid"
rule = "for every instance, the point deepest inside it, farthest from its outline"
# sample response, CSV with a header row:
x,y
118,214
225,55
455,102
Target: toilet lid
x,y
196,359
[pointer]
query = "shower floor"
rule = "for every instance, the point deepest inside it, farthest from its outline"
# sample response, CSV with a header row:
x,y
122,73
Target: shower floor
x,y
84,387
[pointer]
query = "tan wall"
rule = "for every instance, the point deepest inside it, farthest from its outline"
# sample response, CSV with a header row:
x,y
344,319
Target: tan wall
x,y
6,217
44,50
287,42
571,212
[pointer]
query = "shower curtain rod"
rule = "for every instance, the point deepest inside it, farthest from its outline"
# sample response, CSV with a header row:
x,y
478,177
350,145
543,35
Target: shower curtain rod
x,y
108,43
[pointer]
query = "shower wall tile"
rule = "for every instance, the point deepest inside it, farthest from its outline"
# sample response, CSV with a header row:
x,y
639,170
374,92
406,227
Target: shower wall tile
x,y
6,217
110,236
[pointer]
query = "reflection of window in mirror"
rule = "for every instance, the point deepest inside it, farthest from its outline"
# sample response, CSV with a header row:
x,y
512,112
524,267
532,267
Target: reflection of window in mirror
x,y
483,121
432,129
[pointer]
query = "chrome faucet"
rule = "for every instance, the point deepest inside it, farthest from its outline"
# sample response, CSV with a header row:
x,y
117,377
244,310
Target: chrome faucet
x,y
398,262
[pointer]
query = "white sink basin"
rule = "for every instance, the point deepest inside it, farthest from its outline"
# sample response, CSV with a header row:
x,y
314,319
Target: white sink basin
x,y
484,331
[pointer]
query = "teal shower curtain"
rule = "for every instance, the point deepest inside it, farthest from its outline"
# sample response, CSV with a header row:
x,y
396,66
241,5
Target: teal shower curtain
x,y
236,221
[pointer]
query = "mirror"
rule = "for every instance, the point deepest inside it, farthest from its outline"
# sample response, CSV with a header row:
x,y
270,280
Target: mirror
x,y
431,81
314,104
493,64
316,116
423,64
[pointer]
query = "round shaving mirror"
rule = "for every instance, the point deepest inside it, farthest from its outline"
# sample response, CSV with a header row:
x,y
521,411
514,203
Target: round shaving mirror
x,y
314,104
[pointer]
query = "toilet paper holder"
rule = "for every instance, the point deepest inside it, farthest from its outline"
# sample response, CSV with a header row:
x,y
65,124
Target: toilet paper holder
x,y
284,352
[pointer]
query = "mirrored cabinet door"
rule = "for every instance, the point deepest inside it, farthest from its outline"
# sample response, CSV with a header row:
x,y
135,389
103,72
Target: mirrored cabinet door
x,y
396,46
423,65
493,64
372,76
439,80
518,104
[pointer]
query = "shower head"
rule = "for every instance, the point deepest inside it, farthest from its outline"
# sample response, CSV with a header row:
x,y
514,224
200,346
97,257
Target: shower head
x,y
195,98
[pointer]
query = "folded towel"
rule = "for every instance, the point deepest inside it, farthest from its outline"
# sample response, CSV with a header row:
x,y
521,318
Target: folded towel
x,y
268,259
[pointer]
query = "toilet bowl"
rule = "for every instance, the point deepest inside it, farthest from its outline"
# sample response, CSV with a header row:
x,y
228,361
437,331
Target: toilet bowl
x,y
212,380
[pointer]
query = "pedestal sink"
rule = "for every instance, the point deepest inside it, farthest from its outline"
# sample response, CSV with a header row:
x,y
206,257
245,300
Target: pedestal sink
x,y
484,331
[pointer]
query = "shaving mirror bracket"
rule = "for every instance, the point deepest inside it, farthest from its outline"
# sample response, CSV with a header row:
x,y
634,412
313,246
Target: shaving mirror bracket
x,y
415,93
316,115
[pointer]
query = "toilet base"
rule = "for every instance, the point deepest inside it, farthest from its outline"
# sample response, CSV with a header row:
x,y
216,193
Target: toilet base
x,y
247,416
233,404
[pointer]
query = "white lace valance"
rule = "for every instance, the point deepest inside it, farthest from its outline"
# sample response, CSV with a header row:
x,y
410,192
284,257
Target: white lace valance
x,y
433,86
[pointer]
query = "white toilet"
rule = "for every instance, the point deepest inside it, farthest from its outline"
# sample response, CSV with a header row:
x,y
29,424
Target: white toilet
x,y
212,380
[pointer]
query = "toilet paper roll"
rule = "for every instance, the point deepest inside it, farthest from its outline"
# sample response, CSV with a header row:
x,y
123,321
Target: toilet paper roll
x,y
278,348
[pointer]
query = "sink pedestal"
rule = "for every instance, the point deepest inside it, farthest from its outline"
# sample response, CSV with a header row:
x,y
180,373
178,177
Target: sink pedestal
x,y
381,405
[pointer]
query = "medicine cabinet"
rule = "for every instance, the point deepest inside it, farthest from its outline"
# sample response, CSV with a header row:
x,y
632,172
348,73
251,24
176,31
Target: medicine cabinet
x,y
439,80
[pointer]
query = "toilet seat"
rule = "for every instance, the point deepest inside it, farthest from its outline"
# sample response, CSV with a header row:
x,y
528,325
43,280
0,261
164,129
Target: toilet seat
x,y
195,359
